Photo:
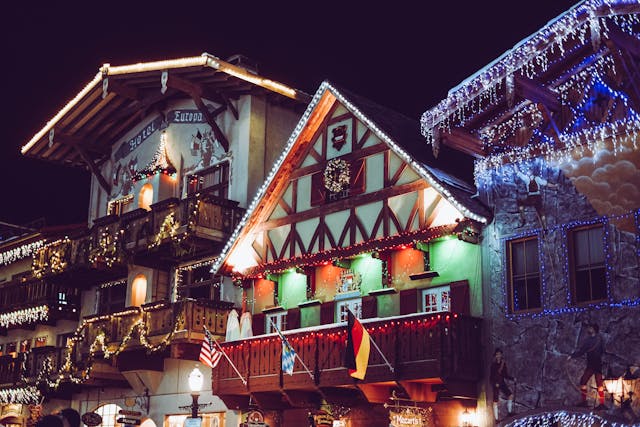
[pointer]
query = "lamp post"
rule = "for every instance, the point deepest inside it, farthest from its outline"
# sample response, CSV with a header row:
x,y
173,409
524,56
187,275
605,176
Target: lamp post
x,y
196,380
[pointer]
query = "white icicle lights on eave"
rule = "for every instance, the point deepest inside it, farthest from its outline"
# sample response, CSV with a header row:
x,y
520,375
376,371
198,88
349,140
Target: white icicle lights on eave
x,y
326,86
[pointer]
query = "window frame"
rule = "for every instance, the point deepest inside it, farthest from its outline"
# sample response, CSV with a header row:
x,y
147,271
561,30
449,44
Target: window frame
x,y
439,291
571,264
510,276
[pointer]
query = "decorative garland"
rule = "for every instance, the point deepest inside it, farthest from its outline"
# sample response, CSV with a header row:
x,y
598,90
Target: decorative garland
x,y
15,254
24,316
26,395
51,258
336,175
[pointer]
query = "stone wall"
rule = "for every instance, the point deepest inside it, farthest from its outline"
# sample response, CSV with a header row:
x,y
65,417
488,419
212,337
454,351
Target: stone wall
x,y
536,344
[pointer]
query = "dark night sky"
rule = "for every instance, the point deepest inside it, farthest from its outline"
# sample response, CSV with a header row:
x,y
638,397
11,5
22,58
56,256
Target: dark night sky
x,y
405,55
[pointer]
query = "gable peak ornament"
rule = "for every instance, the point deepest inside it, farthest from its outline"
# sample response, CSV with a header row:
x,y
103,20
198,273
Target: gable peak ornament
x,y
339,136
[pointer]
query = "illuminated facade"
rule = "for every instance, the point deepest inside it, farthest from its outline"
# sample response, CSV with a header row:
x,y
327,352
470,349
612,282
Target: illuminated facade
x,y
175,149
553,124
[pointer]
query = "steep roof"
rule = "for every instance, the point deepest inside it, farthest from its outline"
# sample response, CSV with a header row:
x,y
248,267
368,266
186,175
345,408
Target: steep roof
x,y
401,134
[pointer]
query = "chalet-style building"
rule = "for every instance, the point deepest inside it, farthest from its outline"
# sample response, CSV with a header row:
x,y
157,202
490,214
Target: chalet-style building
x,y
175,149
357,215
554,125
37,318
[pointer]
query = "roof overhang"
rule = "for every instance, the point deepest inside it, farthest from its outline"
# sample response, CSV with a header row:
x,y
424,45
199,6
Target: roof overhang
x,y
119,96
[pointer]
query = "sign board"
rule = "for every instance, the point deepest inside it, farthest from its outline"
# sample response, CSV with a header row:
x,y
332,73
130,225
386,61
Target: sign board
x,y
323,419
91,419
131,414
405,418
129,421
192,422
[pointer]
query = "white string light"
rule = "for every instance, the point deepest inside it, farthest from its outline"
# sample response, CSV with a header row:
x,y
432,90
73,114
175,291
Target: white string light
x,y
20,252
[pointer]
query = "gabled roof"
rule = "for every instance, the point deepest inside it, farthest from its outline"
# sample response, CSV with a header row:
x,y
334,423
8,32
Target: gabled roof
x,y
400,133
119,96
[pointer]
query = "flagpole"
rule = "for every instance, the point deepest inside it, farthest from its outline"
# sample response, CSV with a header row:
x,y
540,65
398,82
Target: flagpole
x,y
215,341
295,352
374,344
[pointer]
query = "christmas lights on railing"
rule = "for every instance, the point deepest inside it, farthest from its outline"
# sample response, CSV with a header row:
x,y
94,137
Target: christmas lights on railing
x,y
24,316
20,252
26,395
51,258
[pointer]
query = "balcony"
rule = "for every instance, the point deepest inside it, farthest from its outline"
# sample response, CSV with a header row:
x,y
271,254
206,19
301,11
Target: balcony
x,y
173,230
25,304
139,338
430,354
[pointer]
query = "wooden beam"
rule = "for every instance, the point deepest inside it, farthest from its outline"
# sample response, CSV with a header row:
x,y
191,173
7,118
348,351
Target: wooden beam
x,y
625,64
228,103
536,92
123,90
139,106
624,41
195,92
94,169
462,140
555,132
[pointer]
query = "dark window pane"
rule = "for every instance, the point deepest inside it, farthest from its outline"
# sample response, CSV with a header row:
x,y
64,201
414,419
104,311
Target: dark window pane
x,y
599,283
582,292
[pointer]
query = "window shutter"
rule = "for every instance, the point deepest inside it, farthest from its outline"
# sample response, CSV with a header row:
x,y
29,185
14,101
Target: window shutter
x,y
358,177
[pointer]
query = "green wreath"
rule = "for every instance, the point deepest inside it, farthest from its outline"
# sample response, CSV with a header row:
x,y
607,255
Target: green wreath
x,y
336,175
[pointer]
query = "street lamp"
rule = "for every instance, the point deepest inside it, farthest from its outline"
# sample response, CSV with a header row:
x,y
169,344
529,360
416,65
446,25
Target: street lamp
x,y
196,379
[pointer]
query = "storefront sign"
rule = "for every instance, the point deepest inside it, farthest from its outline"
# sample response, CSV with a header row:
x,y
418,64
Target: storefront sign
x,y
405,418
323,419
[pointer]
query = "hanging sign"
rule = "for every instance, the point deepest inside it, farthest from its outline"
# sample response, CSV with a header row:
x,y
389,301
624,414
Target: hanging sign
x,y
322,419
186,116
405,418
91,419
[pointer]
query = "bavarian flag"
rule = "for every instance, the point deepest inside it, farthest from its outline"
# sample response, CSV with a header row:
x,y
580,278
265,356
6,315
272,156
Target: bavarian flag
x,y
357,355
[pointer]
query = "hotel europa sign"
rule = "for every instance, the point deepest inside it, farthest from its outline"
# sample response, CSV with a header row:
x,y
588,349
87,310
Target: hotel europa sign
x,y
405,418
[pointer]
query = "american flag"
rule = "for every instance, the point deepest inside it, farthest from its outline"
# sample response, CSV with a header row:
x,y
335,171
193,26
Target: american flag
x,y
209,355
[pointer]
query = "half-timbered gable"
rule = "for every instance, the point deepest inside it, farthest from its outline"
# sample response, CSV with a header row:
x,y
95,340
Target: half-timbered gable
x,y
345,186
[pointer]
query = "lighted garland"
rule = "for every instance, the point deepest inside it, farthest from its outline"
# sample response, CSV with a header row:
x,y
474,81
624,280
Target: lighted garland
x,y
336,175
50,258
26,395
168,229
24,316
565,419
106,250
15,254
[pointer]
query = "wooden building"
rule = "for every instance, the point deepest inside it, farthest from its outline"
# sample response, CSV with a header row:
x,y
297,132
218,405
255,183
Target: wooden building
x,y
175,148
357,215
553,124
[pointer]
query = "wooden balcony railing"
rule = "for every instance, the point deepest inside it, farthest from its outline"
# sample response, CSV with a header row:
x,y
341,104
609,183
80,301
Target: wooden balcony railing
x,y
39,366
11,369
440,346
157,322
182,228
36,301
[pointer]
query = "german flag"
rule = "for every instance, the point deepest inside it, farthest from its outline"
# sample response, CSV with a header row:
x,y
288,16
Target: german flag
x,y
357,355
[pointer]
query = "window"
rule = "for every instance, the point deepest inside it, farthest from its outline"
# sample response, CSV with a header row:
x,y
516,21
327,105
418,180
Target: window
x,y
112,297
524,274
436,299
139,290
278,318
199,283
145,197
588,275
343,307
109,414
213,180
119,206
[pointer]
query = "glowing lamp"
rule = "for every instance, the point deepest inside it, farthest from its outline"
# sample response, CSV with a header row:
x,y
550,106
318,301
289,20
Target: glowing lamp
x,y
196,379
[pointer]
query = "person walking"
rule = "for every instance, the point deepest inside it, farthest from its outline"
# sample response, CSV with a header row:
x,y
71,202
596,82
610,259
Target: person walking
x,y
497,376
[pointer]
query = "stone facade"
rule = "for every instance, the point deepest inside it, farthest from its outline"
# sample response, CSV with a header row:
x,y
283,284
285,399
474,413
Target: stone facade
x,y
537,342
